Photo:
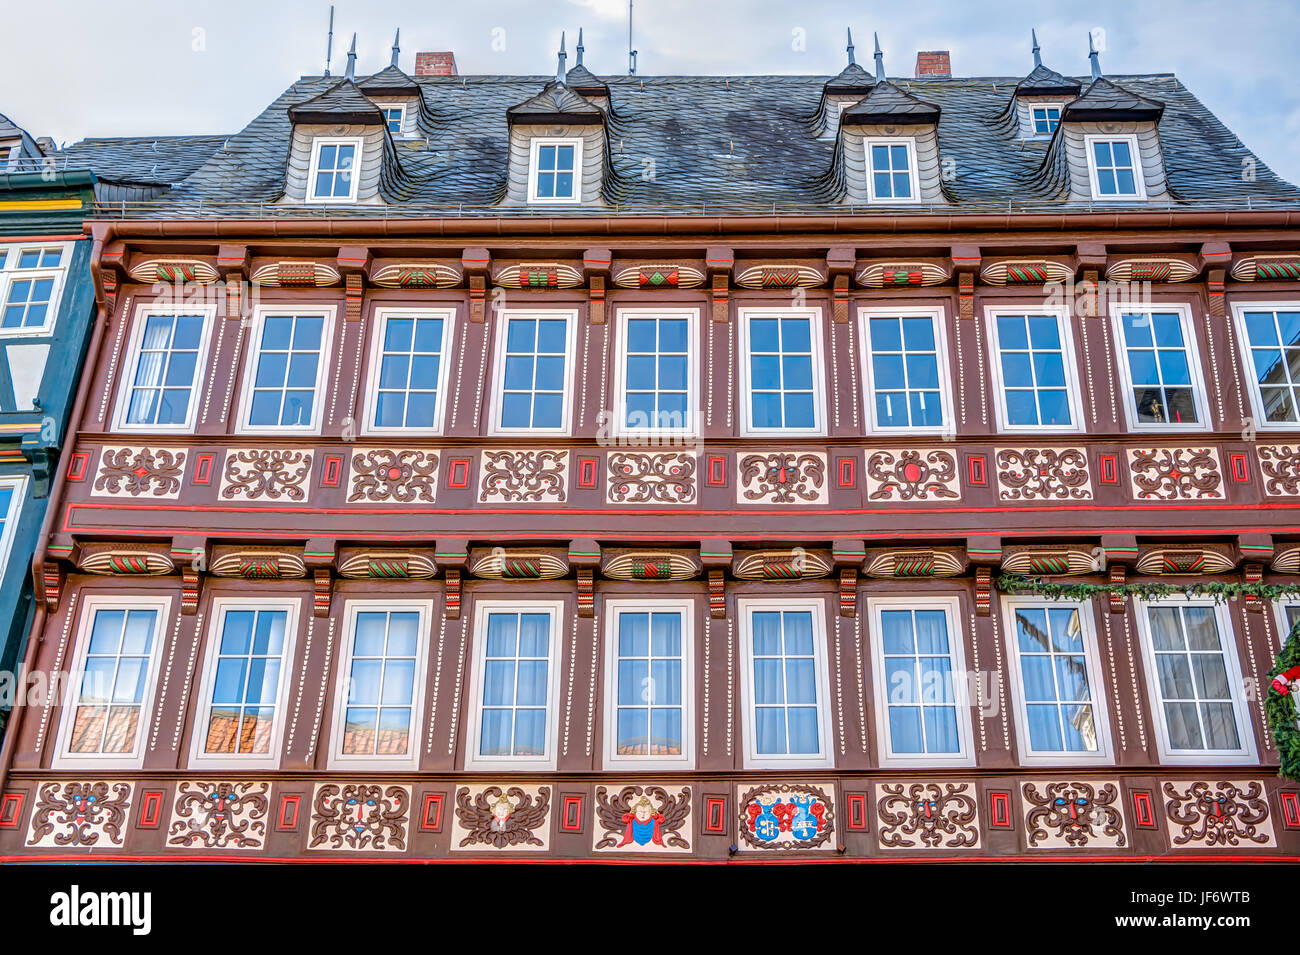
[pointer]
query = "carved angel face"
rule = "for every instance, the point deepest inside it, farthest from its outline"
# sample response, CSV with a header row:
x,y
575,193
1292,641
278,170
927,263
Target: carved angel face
x,y
502,810
643,811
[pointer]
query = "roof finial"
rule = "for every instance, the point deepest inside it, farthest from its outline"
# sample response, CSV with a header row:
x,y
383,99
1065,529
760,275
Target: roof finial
x,y
849,48
397,45
580,47
1092,56
560,71
352,60
1038,59
880,59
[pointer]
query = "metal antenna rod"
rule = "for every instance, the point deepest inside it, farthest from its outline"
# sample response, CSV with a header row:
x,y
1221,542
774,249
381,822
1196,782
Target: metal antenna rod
x,y
329,44
631,53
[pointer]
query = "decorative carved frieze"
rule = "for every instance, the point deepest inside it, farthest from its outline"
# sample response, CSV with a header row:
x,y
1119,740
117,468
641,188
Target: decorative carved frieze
x,y
135,471
787,564
523,476
387,565
643,819
659,275
496,817
912,562
360,817
1043,474
1152,269
151,270
295,275
1049,560
912,474
1175,474
1193,559
1279,465
393,476
927,815
649,565
778,275
539,275
1267,268
76,814
125,559
894,274
643,477
1071,814
219,815
781,477
502,563
275,475
1216,815
786,816
257,563
1286,560
416,275
1026,272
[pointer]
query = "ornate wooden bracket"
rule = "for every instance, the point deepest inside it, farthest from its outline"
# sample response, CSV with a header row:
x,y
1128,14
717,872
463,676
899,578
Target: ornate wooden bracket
x,y
476,263
596,263
983,591
1116,576
720,262
1253,573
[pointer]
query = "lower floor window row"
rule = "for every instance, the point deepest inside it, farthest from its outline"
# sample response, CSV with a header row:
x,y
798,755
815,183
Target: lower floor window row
x,y
924,700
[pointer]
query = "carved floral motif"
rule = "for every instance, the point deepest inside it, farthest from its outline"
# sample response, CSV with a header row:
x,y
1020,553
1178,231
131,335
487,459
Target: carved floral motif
x,y
1172,474
930,815
643,478
781,477
1279,464
496,818
360,816
266,473
1209,814
643,819
134,471
1073,814
912,474
79,814
207,815
786,816
394,476
1043,474
523,476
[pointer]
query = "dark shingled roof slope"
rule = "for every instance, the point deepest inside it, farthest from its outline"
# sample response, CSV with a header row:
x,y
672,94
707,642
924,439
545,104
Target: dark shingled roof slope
x,y
556,103
716,143
1044,82
390,81
146,160
851,79
887,103
1105,100
582,80
341,103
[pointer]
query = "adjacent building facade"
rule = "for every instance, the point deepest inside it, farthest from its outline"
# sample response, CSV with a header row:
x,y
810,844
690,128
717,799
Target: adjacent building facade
x,y
495,467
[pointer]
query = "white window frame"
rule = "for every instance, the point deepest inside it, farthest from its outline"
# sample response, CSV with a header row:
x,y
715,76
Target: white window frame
x,y
384,107
90,607
825,758
1092,657
1232,664
951,606
130,366
613,607
9,271
1280,607
419,720
1059,106
940,322
913,176
1066,330
1239,310
328,312
12,516
501,327
1139,173
375,360
216,627
474,727
622,316
814,316
1199,397
316,143
534,148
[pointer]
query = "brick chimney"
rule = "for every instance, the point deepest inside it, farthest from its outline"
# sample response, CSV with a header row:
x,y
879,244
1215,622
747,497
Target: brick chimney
x,y
933,63
435,64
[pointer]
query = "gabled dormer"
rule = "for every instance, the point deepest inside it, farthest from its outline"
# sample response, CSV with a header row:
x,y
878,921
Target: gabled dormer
x,y
1040,98
889,142
557,147
396,95
840,92
16,146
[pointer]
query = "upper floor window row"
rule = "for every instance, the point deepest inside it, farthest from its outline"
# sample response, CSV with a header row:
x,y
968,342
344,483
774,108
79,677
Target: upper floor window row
x,y
781,369
32,277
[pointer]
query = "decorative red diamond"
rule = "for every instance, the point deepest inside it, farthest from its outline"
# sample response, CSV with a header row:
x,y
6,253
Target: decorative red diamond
x,y
140,471
1175,474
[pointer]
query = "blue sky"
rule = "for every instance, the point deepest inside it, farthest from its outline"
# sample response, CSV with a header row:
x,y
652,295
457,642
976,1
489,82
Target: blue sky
x,y
210,66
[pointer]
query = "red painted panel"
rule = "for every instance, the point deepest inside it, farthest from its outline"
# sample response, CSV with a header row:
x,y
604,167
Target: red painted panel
x,y
715,814
203,468
1290,809
1238,468
1108,464
150,810
857,812
431,818
977,473
1144,809
717,472
1000,810
587,472
77,465
848,471
332,472
458,472
571,814
288,817
11,810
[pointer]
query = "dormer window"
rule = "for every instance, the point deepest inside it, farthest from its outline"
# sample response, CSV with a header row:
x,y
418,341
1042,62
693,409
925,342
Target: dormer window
x,y
893,169
554,170
1113,167
1045,119
394,116
333,162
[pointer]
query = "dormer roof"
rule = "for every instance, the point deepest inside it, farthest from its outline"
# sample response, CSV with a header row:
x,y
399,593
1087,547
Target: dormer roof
x,y
390,81
853,80
343,103
1045,82
585,83
888,104
1106,101
556,104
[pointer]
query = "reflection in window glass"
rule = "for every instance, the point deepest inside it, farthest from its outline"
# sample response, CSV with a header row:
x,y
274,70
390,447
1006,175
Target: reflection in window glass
x,y
516,673
918,667
381,684
1192,677
649,692
1033,370
533,381
113,682
905,372
781,372
246,685
1159,367
288,359
1054,680
1274,339
785,683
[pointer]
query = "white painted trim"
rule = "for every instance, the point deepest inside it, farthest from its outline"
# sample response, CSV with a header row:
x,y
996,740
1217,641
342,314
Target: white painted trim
x,y
1199,397
1058,105
1279,611
203,709
130,366
1239,310
500,321
1092,657
254,352
59,273
940,323
825,757
419,720
474,726
1139,170
1228,642
316,143
534,146
613,607
1066,330
814,315
951,606
12,516
67,716
619,411
912,172
383,106
379,323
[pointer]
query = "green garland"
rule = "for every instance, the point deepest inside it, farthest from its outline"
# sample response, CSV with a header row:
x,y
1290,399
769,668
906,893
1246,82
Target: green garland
x,y
1219,590
1283,718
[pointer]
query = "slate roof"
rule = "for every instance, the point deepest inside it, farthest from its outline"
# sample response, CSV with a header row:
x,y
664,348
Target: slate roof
x,y
341,103
556,103
714,143
582,80
887,103
390,81
852,79
1104,100
145,160
1044,82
